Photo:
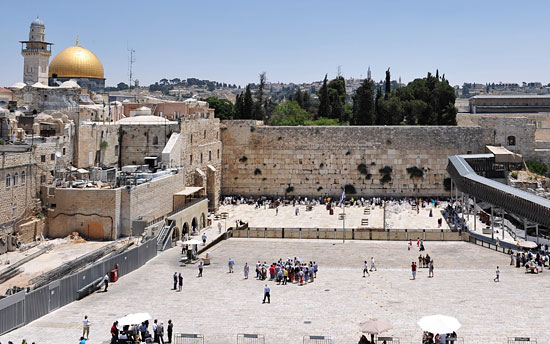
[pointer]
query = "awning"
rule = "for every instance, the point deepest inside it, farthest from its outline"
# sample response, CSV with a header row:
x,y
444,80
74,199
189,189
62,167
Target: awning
x,y
189,190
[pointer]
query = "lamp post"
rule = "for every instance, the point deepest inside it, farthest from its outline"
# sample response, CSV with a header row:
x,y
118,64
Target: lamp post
x,y
224,216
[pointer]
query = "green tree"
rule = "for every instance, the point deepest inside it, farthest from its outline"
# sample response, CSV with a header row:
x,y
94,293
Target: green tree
x,y
324,108
387,84
378,115
259,105
363,104
122,86
289,113
248,104
223,108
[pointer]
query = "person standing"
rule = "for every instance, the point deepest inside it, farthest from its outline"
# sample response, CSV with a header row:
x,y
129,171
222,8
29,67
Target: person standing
x,y
431,269
160,331
366,269
203,239
114,333
169,330
267,295
180,280
497,272
246,269
86,327
410,244
230,263
372,265
155,332
175,281
200,269
219,227
413,269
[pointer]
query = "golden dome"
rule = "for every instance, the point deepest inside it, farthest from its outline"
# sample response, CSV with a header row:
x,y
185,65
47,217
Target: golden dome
x,y
76,62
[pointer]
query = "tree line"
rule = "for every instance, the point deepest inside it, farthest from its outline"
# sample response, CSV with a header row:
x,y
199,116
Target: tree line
x,y
424,101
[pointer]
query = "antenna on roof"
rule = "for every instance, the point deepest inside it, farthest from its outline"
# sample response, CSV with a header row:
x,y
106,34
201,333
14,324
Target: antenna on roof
x,y
131,60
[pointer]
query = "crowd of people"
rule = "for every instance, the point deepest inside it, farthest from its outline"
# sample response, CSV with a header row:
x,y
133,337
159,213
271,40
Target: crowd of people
x,y
140,333
295,271
445,338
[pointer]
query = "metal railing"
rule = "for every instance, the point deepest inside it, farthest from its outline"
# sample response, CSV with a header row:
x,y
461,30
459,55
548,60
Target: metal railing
x,y
387,340
188,338
22,308
318,340
247,338
520,340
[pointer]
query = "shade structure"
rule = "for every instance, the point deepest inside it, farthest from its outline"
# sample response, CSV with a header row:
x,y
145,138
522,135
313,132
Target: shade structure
x,y
190,242
439,324
375,326
528,244
133,319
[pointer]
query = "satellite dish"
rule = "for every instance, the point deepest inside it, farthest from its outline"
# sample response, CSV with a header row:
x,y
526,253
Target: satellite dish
x,y
58,154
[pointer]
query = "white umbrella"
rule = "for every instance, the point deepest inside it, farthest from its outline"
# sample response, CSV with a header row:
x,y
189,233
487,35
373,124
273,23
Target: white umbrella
x,y
132,319
439,324
528,244
375,326
191,242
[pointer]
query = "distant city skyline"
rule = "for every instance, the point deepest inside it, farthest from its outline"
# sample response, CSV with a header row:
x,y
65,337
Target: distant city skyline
x,y
299,42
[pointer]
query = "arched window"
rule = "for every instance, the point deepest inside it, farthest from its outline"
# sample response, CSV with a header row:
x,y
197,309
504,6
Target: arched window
x,y
511,140
8,180
155,140
24,177
15,177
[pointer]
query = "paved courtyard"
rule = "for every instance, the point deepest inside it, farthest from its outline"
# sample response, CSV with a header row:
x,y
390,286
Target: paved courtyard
x,y
397,217
221,305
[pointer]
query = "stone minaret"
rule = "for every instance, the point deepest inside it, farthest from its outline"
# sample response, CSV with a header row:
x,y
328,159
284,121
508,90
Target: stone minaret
x,y
36,53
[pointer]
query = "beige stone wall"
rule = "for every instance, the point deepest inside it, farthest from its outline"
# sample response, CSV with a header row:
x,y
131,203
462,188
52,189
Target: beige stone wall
x,y
148,201
317,161
197,213
138,141
502,126
90,137
202,146
17,202
80,210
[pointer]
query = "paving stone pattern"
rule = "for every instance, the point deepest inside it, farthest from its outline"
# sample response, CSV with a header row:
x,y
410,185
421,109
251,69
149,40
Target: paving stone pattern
x,y
221,305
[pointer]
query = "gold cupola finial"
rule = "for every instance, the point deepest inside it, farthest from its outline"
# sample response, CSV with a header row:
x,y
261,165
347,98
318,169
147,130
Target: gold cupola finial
x,y
76,39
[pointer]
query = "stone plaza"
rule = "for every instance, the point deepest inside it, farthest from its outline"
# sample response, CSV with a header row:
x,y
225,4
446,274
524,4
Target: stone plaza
x,y
221,305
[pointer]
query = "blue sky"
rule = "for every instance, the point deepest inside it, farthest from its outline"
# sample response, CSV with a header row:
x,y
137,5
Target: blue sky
x,y
292,41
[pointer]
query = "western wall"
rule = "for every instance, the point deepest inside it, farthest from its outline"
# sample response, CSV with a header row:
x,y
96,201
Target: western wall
x,y
318,161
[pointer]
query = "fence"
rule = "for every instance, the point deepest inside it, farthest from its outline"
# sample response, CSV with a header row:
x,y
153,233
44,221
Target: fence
x,y
318,340
387,340
22,308
246,338
188,338
521,340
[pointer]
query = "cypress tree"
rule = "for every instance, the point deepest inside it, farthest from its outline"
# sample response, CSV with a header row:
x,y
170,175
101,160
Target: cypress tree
x,y
387,85
363,104
323,100
248,104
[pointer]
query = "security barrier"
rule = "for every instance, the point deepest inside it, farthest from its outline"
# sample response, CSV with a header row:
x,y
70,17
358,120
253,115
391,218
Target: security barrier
x,y
22,308
246,338
318,340
188,338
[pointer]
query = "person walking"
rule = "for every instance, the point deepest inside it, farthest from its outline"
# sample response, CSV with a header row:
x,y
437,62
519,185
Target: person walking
x,y
366,269
230,263
410,245
106,282
497,272
267,294
246,269
203,239
86,327
413,269
169,330
372,265
219,227
431,269
175,281
200,269
180,281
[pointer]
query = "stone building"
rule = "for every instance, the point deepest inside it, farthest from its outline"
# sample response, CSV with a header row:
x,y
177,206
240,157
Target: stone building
x,y
188,109
509,103
36,53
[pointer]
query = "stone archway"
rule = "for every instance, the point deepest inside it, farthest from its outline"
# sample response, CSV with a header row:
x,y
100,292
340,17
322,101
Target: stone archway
x,y
94,230
185,229
194,224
